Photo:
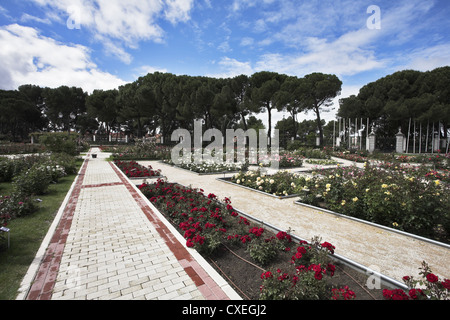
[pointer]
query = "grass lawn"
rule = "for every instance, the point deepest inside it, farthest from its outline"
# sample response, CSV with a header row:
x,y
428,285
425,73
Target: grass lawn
x,y
26,236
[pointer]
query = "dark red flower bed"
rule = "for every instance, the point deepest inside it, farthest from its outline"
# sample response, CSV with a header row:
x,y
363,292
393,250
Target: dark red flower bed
x,y
260,264
132,169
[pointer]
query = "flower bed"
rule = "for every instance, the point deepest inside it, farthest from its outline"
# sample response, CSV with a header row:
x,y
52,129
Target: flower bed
x,y
313,153
285,269
400,199
132,169
280,184
285,160
321,162
261,264
29,176
351,156
20,148
139,151
209,167
14,206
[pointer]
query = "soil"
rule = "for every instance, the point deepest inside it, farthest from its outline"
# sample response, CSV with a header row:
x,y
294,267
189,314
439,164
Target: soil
x,y
244,275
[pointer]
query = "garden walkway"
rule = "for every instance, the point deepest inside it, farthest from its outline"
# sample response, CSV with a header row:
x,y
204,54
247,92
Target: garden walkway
x,y
107,243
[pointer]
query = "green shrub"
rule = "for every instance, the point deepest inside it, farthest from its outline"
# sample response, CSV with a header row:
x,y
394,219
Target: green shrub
x,y
6,169
294,145
34,181
263,251
68,162
60,142
10,168
303,278
14,206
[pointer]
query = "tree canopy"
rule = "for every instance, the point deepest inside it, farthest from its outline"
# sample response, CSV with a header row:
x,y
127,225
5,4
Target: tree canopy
x,y
392,101
161,102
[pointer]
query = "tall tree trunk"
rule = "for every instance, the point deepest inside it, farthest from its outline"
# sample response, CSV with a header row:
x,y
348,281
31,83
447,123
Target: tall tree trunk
x,y
244,121
294,123
269,132
319,125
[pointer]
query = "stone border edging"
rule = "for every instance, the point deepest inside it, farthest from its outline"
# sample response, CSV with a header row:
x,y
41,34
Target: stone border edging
x,y
226,180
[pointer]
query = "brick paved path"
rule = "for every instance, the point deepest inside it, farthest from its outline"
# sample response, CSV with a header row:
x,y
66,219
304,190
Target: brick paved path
x,y
108,243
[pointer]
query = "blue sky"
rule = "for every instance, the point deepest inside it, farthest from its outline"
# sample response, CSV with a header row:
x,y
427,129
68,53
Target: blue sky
x,y
101,44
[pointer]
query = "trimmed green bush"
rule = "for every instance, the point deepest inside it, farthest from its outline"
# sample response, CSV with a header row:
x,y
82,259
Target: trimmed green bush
x,y
34,181
60,142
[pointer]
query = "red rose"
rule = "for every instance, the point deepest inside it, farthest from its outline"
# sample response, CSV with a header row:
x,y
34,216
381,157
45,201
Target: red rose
x,y
446,284
189,243
414,292
432,278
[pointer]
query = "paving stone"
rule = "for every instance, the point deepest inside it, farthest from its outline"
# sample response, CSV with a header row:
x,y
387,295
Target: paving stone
x,y
113,250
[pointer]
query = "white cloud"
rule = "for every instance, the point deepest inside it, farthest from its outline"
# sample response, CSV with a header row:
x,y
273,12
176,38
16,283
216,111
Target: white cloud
x,y
30,58
247,41
26,17
229,68
225,46
144,70
426,59
178,10
123,23
348,55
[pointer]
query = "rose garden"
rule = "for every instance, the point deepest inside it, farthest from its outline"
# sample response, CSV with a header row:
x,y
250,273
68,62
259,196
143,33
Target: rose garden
x,y
392,174
300,269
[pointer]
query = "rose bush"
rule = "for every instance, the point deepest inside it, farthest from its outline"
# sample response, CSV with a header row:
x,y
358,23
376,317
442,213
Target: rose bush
x,y
139,151
203,220
34,181
210,166
430,287
30,175
132,169
14,206
403,199
305,278
207,223
282,183
285,160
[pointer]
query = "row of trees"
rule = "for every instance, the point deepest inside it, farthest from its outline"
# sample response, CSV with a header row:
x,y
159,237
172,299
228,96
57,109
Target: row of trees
x,y
163,102
32,108
402,98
